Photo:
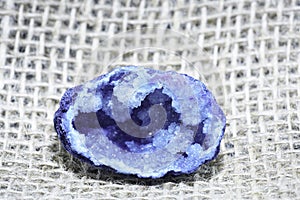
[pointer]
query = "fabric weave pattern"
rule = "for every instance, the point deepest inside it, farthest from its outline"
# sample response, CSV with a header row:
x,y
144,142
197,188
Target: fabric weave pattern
x,y
247,52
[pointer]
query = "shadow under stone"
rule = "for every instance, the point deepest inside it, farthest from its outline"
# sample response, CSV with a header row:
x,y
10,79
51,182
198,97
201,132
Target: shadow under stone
x,y
106,174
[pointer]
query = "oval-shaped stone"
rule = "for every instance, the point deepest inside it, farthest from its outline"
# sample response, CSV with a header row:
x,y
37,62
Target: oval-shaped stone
x,y
141,121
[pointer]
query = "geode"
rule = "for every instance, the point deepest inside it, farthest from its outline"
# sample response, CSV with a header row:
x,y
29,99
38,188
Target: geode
x,y
141,121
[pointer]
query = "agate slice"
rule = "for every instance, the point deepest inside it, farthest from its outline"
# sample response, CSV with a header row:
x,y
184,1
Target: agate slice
x,y
141,121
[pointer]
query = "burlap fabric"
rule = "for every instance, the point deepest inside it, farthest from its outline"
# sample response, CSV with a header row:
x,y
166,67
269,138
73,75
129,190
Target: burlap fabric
x,y
247,52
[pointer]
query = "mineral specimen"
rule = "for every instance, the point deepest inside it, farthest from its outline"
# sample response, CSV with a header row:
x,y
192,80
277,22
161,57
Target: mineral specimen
x,y
141,121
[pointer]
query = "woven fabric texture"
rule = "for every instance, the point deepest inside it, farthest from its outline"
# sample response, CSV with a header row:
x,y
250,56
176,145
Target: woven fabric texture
x,y
247,52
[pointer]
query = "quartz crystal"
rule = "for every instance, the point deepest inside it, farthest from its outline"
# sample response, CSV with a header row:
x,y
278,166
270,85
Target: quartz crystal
x,y
141,121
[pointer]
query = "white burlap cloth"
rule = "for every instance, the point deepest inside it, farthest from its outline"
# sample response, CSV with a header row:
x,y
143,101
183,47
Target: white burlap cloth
x,y
247,52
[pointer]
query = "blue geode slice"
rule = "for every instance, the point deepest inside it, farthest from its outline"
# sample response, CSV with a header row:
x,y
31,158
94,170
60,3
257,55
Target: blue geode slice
x,y
141,121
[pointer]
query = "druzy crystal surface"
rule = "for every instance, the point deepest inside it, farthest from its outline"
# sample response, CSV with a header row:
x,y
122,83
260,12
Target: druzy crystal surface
x,y
141,121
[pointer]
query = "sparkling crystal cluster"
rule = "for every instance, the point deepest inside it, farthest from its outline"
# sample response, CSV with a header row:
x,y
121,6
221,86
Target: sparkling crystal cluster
x,y
141,121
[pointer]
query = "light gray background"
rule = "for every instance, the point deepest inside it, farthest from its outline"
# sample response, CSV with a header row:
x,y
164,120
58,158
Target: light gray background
x,y
247,52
